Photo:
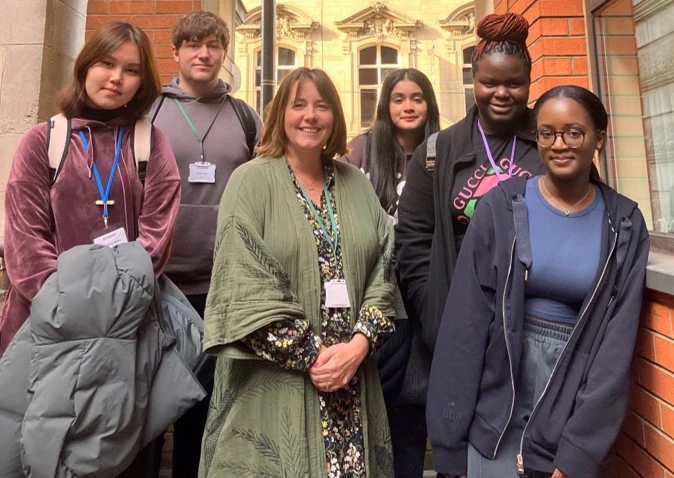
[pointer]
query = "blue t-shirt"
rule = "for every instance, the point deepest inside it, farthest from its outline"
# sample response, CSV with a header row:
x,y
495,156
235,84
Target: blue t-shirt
x,y
565,253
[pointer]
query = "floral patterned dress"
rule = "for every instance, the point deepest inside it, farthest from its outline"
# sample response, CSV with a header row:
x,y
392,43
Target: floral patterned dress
x,y
294,345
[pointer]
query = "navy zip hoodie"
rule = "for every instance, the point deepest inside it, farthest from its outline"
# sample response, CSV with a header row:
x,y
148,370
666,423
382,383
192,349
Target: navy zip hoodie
x,y
479,346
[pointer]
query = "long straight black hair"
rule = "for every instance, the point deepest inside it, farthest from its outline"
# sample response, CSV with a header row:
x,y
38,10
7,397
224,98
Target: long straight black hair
x,y
385,152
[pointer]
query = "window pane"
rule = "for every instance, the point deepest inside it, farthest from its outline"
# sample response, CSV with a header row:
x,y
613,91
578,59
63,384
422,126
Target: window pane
x,y
280,74
470,98
368,103
258,59
258,77
637,90
389,56
368,56
467,54
385,72
367,76
257,102
286,57
467,76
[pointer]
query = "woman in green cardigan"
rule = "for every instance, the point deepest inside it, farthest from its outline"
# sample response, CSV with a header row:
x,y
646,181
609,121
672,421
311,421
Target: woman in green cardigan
x,y
303,292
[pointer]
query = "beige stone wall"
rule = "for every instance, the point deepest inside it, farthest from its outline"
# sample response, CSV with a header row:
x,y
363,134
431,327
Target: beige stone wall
x,y
38,43
434,50
231,12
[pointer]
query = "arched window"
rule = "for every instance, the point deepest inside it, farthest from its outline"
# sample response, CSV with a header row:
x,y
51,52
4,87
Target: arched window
x,y
468,90
374,65
286,61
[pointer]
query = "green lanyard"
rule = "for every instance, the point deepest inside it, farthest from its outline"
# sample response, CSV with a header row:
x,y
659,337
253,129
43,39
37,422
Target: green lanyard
x,y
194,129
332,241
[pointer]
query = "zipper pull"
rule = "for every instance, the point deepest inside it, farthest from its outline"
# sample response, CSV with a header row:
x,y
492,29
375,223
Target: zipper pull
x,y
526,275
520,464
610,302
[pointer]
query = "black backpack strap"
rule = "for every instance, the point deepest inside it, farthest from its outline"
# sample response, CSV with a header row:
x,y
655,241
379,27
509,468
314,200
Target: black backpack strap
x,y
58,141
431,152
142,146
247,123
152,115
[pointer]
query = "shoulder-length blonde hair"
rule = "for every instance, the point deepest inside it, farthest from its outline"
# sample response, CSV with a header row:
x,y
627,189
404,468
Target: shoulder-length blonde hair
x,y
273,140
73,97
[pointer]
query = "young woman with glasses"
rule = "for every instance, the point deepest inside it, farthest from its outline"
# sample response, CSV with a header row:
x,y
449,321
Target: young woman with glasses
x,y
543,313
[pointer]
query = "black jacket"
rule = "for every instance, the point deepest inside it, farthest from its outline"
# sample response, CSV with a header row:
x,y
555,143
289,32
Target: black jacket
x,y
425,240
471,390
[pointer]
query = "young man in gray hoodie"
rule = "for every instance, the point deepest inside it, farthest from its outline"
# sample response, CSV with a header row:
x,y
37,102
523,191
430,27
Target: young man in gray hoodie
x,y
211,134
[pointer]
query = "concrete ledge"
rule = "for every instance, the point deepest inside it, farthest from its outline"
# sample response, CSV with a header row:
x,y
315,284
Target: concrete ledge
x,y
660,273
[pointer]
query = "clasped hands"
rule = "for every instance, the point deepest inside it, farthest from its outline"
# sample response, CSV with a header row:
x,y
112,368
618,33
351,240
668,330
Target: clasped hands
x,y
336,365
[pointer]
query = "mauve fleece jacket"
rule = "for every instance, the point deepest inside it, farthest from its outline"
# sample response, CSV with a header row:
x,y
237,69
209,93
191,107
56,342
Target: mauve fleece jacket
x,y
44,220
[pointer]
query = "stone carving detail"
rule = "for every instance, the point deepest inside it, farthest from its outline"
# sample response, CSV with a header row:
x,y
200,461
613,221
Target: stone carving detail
x,y
378,26
289,24
461,22
469,18
284,27
379,21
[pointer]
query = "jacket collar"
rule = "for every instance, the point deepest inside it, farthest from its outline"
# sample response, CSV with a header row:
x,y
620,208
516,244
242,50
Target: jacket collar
x,y
617,206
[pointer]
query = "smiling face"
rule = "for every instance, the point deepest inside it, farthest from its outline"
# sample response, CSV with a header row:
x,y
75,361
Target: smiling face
x,y
407,106
199,62
114,80
561,114
501,82
308,120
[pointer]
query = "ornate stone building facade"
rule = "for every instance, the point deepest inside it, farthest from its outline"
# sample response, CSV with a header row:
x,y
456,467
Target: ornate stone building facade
x,y
359,45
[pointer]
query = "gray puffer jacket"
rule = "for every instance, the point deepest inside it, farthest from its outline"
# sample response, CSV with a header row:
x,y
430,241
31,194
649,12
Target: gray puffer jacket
x,y
100,361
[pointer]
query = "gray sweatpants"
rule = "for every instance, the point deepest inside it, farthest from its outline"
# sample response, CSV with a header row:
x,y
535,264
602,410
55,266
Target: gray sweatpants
x,y
543,343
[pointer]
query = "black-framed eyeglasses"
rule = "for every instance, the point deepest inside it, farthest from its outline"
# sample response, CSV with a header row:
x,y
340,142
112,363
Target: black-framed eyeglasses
x,y
573,138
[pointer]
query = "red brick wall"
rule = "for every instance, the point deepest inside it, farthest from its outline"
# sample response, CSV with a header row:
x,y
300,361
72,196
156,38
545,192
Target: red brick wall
x,y
155,17
646,445
557,41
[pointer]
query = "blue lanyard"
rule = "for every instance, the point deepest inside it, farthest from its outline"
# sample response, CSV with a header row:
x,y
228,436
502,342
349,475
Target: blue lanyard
x,y
332,240
491,158
105,194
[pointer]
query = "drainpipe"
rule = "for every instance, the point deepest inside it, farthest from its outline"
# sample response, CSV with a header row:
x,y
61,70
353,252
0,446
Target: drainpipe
x,y
268,34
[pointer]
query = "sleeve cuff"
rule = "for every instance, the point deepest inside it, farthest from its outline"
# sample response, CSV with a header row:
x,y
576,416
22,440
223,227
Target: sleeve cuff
x,y
574,461
373,325
450,461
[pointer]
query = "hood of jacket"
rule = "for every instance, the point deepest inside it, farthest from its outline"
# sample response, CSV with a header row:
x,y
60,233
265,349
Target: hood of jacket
x,y
617,206
173,90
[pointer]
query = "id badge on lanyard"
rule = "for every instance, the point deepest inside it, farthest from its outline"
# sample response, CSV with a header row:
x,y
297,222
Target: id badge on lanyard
x,y
336,294
104,193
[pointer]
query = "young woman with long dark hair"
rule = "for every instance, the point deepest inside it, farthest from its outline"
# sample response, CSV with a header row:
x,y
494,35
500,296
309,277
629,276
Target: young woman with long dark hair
x,y
407,113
